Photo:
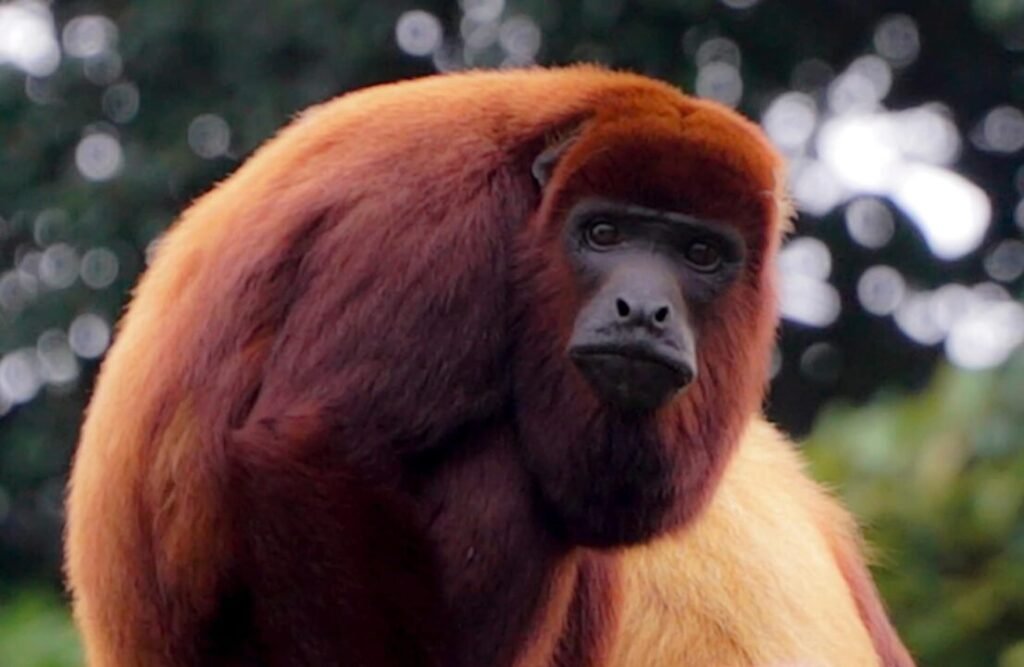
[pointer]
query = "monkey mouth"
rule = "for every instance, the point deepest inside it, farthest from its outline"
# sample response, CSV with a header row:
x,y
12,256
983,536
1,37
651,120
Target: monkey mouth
x,y
633,376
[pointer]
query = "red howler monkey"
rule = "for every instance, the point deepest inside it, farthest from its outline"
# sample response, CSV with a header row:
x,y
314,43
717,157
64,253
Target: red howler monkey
x,y
401,390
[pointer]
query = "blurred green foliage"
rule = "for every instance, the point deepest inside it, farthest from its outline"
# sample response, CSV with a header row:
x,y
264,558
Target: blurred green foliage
x,y
938,480
36,631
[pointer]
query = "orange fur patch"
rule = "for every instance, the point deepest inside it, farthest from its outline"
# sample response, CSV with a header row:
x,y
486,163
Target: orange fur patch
x,y
752,583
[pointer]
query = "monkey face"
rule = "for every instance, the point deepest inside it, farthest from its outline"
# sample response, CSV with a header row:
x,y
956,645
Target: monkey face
x,y
644,273
648,313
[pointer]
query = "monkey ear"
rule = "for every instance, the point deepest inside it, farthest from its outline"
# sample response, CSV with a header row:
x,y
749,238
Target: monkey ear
x,y
555,146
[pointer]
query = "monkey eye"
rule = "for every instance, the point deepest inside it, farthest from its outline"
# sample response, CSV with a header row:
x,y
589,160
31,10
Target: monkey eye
x,y
603,234
703,255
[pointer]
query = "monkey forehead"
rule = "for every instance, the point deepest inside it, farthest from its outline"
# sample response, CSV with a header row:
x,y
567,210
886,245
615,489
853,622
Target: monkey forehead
x,y
690,156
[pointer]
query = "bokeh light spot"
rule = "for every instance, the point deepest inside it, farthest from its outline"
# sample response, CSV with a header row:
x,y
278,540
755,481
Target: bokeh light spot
x,y
42,91
926,133
952,213
815,187
1002,130
482,10
880,290
721,82
418,33
28,39
50,226
790,120
19,375
949,303
121,102
520,38
915,318
897,40
807,256
811,75
57,362
209,136
99,156
88,36
718,50
987,336
869,222
808,301
12,297
28,272
805,297
860,150
1005,262
89,336
478,36
58,267
988,291
861,86
103,68
449,57
99,268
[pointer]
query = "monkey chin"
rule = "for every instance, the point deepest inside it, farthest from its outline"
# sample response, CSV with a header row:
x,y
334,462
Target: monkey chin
x,y
634,379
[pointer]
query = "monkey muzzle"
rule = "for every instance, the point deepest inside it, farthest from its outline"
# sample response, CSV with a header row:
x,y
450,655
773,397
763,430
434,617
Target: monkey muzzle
x,y
632,377
632,341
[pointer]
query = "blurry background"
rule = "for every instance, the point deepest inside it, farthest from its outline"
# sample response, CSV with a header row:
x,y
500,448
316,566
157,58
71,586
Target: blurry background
x,y
901,287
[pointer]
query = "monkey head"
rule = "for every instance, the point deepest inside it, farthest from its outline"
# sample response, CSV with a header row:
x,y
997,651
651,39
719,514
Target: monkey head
x,y
649,312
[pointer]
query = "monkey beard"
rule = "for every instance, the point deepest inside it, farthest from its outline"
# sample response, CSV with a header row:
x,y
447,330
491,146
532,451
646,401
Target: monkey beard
x,y
608,477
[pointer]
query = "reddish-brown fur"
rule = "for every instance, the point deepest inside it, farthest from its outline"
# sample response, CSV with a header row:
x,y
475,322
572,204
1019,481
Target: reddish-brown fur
x,y
338,425
890,649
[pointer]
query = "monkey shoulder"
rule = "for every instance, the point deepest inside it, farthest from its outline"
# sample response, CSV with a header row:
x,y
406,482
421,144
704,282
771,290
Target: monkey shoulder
x,y
753,581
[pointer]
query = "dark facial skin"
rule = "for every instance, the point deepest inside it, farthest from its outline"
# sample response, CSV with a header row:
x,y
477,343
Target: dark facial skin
x,y
645,274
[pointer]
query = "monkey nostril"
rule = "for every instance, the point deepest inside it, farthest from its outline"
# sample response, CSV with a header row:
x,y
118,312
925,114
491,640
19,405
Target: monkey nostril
x,y
661,314
622,308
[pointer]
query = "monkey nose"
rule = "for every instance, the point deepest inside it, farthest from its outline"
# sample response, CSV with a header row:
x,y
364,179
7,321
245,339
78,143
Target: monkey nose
x,y
654,314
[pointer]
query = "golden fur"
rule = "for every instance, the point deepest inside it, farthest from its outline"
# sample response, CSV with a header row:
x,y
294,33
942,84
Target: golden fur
x,y
753,581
